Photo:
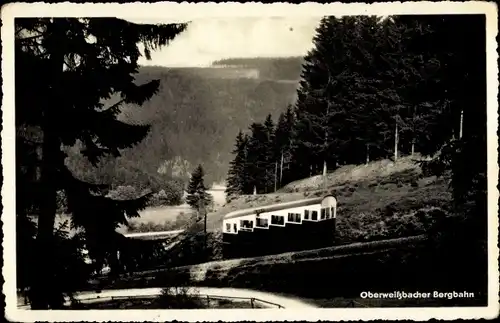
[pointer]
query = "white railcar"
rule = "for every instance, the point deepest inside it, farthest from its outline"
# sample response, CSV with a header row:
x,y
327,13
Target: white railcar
x,y
289,218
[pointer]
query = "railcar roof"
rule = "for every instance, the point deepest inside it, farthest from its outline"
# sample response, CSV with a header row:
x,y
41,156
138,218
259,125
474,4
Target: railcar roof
x,y
274,207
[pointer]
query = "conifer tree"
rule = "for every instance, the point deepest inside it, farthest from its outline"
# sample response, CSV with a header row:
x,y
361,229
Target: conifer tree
x,y
236,179
271,170
327,94
66,69
364,122
198,197
248,184
283,141
257,159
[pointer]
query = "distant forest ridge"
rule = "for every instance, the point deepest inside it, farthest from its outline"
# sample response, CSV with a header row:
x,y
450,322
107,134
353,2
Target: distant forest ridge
x,y
279,69
198,112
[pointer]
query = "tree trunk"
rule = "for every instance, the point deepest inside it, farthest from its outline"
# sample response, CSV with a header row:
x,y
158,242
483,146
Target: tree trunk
x,y
367,153
413,139
396,139
205,222
44,292
275,175
205,231
281,169
461,123
266,180
254,190
42,282
325,168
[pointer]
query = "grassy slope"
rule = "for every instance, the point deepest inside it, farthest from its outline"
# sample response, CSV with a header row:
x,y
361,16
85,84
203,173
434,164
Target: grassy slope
x,y
221,270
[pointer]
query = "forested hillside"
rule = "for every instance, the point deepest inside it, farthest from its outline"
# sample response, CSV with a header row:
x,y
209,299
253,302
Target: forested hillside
x,y
370,89
196,114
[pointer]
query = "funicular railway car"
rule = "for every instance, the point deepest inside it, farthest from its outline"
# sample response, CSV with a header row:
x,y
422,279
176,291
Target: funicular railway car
x,y
282,227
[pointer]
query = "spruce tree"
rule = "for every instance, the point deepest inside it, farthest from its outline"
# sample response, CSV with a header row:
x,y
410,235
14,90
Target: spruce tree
x,y
283,142
327,95
235,182
257,159
198,197
248,184
67,69
271,170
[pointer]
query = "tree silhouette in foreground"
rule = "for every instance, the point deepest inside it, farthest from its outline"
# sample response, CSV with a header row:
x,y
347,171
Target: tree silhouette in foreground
x,y
67,70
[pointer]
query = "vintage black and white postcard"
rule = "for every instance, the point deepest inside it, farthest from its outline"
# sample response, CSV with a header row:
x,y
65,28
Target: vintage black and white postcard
x,y
228,162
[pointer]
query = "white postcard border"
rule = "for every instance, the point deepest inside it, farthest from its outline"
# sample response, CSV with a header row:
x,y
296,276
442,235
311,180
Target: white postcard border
x,y
172,12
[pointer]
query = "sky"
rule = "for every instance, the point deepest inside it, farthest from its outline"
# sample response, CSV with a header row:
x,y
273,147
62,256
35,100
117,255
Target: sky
x,y
208,40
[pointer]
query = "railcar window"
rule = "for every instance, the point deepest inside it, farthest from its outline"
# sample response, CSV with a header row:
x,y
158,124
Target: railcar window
x,y
327,213
277,219
314,215
306,214
246,224
228,227
293,217
261,222
333,211
323,213
235,227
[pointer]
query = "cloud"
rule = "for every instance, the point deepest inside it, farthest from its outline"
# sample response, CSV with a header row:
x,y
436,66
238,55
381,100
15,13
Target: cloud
x,y
207,40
